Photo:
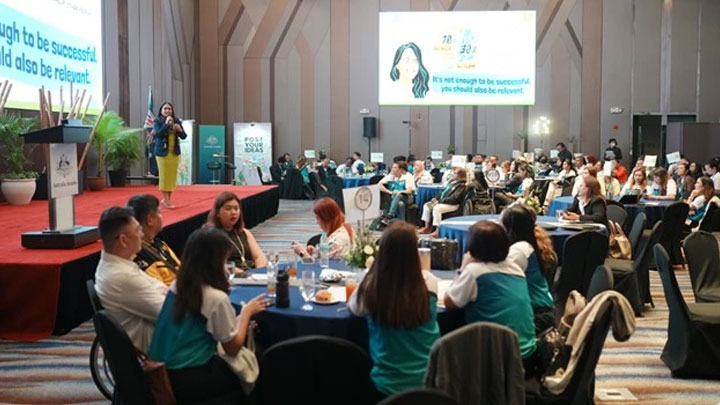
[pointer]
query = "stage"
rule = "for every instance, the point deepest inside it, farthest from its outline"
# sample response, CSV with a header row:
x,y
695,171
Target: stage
x,y
42,292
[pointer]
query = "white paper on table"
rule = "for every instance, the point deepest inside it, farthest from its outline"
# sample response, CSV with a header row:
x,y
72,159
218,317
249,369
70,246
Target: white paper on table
x,y
607,169
458,161
309,153
247,281
338,293
436,154
538,151
377,157
553,153
259,277
673,157
516,154
443,286
650,160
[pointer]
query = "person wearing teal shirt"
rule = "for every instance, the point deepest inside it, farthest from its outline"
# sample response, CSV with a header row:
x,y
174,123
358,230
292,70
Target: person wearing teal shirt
x,y
400,303
519,222
491,288
196,315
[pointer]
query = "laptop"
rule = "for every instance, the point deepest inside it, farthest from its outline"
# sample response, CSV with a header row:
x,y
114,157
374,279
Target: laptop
x,y
630,199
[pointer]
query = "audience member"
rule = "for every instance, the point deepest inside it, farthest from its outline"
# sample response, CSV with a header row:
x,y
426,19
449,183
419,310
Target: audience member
x,y
589,204
420,175
400,303
619,171
227,216
358,166
429,165
637,183
196,316
685,182
128,294
155,258
449,200
492,288
702,196
340,234
278,170
563,152
519,222
615,149
400,185
712,171
695,170
663,187
345,169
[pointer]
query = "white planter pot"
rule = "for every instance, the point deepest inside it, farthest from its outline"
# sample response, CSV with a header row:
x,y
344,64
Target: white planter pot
x,y
18,191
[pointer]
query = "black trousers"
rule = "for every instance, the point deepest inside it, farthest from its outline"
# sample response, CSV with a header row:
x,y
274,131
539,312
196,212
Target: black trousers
x,y
213,380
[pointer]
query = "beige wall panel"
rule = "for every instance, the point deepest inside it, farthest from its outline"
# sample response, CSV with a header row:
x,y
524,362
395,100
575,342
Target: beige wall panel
x,y
683,74
252,89
235,86
709,88
439,126
322,95
646,56
307,93
616,74
559,97
591,75
339,79
282,123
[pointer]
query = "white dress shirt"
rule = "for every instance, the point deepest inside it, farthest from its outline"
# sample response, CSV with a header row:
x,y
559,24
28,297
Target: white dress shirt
x,y
130,296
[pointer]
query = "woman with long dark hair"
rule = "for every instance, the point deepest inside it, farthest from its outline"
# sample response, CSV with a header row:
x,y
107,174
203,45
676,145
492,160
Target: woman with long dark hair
x,y
663,187
519,222
168,131
340,234
400,303
408,69
196,315
589,205
227,216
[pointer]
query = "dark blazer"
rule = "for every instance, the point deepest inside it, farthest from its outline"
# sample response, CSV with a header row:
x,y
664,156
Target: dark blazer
x,y
160,142
455,195
616,151
595,210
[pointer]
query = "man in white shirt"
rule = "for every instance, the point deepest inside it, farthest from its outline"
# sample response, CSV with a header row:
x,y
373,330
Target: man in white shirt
x,y
712,170
400,185
420,175
128,294
357,163
345,169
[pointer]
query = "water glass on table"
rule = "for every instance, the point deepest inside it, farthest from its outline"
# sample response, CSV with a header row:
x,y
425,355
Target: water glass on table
x,y
424,254
307,288
559,214
350,285
271,279
292,265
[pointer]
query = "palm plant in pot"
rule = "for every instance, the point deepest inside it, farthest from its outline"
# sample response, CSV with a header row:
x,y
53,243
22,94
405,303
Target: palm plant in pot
x,y
18,184
110,128
122,150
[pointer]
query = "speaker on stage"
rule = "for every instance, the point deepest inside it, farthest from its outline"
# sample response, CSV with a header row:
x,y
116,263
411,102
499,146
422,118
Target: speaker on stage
x,y
369,127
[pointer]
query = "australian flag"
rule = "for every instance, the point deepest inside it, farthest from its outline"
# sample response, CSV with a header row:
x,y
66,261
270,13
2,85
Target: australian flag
x,y
149,119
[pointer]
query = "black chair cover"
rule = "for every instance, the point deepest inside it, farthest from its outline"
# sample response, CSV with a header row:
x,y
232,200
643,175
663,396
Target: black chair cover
x,y
711,222
582,254
293,185
692,349
701,250
316,186
632,278
375,179
335,190
131,387
437,176
94,299
315,240
420,396
674,219
581,389
260,175
315,370
617,213
636,231
602,280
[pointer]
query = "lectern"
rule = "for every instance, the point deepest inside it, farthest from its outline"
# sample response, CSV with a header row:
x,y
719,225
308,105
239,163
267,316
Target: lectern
x,y
62,175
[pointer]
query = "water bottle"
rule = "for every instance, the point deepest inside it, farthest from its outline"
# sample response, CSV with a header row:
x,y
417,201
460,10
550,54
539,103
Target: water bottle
x,y
324,251
282,289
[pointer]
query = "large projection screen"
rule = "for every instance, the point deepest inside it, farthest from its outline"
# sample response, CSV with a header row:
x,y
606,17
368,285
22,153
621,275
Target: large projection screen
x,y
51,43
457,58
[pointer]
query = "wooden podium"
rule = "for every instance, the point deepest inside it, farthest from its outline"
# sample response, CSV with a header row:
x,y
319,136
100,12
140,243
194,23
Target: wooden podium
x,y
62,175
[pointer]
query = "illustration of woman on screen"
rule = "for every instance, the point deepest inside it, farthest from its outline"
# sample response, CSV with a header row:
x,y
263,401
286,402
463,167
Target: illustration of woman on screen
x,y
408,69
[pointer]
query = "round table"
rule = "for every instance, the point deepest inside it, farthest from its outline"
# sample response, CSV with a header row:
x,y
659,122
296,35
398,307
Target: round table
x,y
653,209
356,181
279,324
427,192
457,229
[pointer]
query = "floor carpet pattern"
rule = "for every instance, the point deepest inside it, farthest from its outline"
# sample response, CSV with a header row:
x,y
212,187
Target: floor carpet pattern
x,y
55,370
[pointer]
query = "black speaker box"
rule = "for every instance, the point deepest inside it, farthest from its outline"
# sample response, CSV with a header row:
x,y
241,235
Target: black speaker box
x,y
369,127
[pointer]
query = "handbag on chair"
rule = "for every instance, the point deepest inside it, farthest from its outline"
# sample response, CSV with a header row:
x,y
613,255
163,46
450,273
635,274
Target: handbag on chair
x,y
158,380
620,247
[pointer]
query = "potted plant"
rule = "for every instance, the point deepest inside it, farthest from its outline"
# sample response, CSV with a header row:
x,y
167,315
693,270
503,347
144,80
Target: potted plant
x,y
110,125
18,184
123,148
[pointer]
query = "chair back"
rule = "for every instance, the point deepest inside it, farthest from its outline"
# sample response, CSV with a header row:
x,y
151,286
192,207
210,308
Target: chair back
x,y
602,280
293,187
711,220
616,203
616,213
642,261
437,176
636,232
335,187
420,396
674,219
581,388
375,179
475,353
309,368
131,387
94,299
315,240
582,254
703,258
679,318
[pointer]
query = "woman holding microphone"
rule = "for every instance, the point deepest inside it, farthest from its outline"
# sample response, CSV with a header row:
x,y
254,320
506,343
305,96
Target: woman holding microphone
x,y
166,148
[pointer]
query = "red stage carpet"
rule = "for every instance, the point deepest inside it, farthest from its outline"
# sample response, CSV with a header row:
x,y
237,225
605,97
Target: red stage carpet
x,y
30,279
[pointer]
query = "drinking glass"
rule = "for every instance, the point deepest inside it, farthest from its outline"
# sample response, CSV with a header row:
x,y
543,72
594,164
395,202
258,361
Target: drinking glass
x,y
273,257
230,270
307,288
271,279
350,285
424,254
559,214
292,265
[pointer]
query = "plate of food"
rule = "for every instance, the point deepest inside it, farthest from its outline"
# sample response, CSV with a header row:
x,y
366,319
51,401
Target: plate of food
x,y
325,297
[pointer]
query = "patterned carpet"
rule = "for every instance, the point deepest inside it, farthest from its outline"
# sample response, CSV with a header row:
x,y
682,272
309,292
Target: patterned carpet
x,y
55,371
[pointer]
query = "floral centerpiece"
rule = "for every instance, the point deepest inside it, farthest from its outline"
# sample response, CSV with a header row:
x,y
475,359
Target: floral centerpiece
x,y
362,255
